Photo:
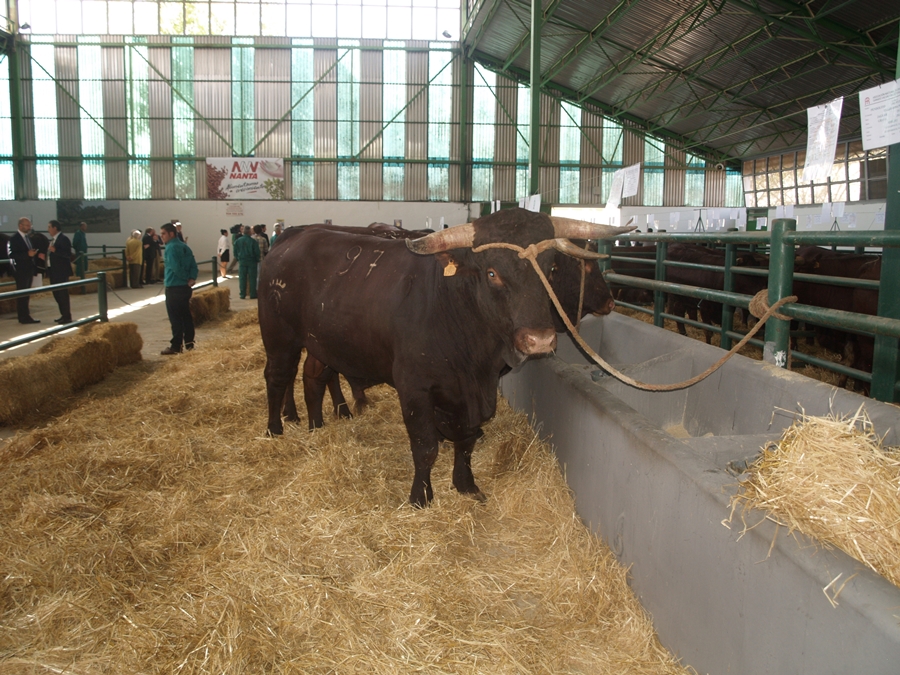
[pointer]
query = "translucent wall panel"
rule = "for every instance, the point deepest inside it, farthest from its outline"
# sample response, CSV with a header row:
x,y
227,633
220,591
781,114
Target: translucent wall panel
x,y
302,120
46,138
7,184
569,153
183,144
93,136
393,19
137,101
483,118
695,179
348,70
612,154
440,117
242,109
393,115
654,161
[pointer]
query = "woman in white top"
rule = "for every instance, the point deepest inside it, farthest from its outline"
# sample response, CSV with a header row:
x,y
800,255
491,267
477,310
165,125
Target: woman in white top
x,y
223,251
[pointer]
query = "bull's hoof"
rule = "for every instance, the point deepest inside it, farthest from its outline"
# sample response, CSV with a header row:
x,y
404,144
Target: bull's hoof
x,y
421,499
343,412
274,431
292,418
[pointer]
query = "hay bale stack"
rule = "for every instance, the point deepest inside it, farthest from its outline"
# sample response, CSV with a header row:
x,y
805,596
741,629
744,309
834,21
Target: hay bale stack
x,y
168,534
833,480
210,303
33,385
104,264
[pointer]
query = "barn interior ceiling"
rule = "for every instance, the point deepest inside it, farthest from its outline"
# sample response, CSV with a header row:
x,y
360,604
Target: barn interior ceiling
x,y
727,78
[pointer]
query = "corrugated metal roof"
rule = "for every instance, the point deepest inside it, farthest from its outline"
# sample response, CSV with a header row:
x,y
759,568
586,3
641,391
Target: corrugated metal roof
x,y
730,78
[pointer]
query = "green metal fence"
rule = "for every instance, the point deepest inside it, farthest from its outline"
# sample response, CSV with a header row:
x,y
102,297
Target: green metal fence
x,y
781,243
101,314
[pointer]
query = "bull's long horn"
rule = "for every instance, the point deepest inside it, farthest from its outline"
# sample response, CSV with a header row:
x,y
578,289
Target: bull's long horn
x,y
569,228
461,236
567,247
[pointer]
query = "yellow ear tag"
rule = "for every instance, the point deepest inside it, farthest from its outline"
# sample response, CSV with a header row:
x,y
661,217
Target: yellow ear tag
x,y
450,268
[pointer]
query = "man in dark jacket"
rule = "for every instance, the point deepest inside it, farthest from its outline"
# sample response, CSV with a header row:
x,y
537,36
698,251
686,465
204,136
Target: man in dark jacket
x,y
246,252
180,275
151,251
60,268
22,252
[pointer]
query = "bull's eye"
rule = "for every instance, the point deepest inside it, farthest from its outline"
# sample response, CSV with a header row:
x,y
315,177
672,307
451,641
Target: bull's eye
x,y
494,277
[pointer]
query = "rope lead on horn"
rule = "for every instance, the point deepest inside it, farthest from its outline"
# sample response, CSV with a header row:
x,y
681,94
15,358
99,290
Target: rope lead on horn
x,y
760,301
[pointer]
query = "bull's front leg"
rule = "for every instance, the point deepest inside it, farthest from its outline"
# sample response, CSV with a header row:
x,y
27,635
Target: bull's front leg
x,y
418,416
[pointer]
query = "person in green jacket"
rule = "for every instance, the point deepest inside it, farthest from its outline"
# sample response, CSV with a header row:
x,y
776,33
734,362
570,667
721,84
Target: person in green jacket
x,y
181,274
79,243
246,252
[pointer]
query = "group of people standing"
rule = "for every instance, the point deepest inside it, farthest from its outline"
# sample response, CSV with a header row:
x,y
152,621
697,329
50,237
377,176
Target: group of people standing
x,y
250,248
29,263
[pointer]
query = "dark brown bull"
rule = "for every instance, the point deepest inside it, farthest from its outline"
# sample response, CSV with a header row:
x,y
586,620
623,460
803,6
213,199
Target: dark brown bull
x,y
431,317
709,311
566,280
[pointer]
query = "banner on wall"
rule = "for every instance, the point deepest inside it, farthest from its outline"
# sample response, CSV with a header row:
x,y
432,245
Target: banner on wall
x,y
244,178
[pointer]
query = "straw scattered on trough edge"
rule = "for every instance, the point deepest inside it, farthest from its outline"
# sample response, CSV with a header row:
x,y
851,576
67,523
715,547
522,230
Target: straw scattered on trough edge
x,y
156,530
832,479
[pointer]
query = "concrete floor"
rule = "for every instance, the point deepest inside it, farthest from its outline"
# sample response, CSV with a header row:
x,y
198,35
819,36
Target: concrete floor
x,y
143,306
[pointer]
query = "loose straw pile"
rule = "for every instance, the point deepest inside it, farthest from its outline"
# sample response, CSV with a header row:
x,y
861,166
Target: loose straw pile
x,y
155,529
833,480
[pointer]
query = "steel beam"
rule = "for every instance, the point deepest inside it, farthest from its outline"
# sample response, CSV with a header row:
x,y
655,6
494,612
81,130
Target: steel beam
x,y
534,153
525,40
598,31
886,360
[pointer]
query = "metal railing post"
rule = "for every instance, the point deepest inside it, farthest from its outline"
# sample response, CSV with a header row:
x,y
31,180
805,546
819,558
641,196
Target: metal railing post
x,y
659,297
215,276
605,247
781,281
102,307
728,310
124,270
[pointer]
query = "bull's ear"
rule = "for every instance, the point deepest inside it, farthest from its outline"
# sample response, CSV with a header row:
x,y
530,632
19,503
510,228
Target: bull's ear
x,y
448,262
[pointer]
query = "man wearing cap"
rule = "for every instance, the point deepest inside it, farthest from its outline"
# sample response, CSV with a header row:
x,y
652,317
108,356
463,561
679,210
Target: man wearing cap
x,y
22,252
181,273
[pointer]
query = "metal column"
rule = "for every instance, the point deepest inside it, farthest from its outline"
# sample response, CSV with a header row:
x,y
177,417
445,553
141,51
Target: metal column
x,y
781,277
534,146
885,363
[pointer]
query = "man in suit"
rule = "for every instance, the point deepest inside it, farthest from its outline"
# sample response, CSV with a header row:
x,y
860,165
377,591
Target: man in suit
x,y
22,252
60,264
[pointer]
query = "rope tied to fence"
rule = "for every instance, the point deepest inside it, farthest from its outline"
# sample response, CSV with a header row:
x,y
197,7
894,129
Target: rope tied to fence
x,y
758,307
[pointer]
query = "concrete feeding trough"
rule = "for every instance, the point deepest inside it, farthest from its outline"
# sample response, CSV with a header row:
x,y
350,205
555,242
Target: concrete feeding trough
x,y
653,474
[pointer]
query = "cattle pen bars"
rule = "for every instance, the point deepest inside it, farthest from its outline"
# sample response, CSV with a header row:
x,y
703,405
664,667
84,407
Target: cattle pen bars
x,y
782,241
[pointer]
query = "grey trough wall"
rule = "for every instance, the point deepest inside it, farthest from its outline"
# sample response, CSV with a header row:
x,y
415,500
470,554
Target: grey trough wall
x,y
652,474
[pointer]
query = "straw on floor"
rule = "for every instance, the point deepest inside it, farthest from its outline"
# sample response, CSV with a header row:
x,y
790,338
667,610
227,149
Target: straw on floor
x,y
832,479
155,529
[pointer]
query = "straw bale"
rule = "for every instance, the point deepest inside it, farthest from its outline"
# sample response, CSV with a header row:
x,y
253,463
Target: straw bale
x,y
169,534
28,384
33,386
104,264
831,479
210,303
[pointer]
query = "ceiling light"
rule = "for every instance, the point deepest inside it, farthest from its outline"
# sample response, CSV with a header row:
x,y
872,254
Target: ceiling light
x,y
446,34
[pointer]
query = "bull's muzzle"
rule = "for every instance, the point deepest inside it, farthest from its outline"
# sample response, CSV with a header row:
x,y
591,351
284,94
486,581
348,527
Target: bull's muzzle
x,y
530,342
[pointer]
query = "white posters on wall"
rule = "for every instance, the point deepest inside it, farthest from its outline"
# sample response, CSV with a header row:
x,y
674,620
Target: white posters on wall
x,y
632,180
822,132
879,111
244,178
